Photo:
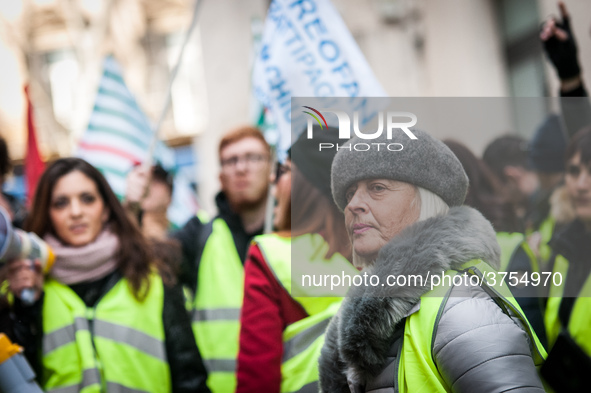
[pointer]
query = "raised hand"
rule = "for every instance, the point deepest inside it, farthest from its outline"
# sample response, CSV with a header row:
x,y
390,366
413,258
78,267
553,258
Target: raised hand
x,y
560,45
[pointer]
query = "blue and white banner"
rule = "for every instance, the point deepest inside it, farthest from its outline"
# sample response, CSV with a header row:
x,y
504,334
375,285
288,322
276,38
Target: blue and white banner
x,y
118,136
307,51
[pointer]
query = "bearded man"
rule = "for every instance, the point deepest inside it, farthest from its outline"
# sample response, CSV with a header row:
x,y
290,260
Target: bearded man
x,y
214,253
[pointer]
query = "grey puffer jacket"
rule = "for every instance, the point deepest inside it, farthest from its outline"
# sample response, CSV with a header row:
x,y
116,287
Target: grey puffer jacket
x,y
476,348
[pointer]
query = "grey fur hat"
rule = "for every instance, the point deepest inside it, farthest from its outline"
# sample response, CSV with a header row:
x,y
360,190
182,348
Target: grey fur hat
x,y
425,162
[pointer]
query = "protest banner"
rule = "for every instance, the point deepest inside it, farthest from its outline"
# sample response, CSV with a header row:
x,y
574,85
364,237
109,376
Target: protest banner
x,y
307,51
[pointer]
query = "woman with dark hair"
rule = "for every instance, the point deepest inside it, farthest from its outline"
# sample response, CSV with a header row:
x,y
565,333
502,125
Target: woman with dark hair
x,y
568,310
282,320
109,314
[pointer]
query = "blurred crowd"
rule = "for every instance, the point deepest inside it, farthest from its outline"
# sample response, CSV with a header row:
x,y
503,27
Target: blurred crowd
x,y
132,306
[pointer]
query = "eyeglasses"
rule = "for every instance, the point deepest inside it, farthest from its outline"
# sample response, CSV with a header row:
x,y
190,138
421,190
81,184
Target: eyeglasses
x,y
281,170
248,159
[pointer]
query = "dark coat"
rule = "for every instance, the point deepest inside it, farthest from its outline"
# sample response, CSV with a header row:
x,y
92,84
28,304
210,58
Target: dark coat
x,y
194,234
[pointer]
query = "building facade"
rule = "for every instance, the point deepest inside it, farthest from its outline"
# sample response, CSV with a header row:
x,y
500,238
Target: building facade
x,y
416,48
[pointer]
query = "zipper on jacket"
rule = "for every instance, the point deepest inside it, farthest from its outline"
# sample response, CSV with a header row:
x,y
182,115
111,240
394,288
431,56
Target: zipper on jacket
x,y
90,315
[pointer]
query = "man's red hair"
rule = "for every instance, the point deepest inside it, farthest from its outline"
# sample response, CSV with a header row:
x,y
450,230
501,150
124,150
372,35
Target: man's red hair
x,y
240,133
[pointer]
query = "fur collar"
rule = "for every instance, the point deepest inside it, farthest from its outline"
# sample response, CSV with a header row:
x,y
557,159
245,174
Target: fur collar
x,y
358,337
561,206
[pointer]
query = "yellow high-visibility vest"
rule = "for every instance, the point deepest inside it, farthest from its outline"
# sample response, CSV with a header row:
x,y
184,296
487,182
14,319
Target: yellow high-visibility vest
x,y
303,340
417,369
118,345
579,323
217,305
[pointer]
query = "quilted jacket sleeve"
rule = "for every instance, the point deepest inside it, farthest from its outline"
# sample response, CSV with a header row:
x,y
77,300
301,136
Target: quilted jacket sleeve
x,y
478,348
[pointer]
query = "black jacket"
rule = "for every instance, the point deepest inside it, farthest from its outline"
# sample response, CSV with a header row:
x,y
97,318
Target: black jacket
x,y
188,374
195,233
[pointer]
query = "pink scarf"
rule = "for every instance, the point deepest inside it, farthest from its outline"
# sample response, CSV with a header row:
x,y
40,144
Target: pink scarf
x,y
91,262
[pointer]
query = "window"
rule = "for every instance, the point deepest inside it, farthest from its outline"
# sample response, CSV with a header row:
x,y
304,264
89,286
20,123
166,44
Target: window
x,y
525,61
62,69
189,98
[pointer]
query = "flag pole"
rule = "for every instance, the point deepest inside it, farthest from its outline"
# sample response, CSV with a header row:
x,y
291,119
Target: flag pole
x,y
148,161
268,227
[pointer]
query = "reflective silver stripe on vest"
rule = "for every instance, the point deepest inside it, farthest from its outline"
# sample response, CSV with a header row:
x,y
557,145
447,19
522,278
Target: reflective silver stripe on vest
x,y
220,365
132,337
116,388
90,377
67,389
63,336
121,334
217,314
298,343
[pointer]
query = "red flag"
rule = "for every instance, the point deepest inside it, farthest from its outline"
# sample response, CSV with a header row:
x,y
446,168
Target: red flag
x,y
34,166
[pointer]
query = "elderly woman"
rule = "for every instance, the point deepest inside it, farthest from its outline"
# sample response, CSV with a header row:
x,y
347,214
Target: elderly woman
x,y
404,218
